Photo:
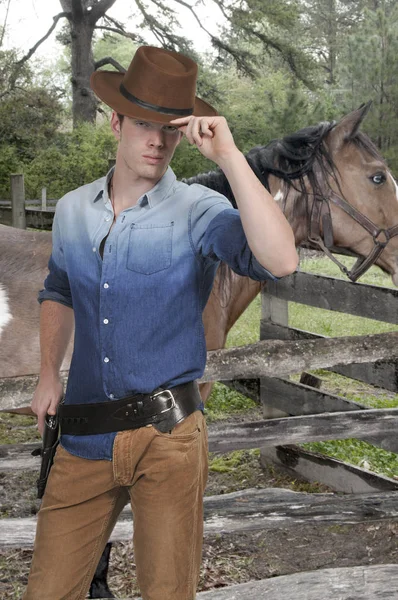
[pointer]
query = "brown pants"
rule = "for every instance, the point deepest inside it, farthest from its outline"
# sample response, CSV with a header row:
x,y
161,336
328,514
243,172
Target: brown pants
x,y
164,474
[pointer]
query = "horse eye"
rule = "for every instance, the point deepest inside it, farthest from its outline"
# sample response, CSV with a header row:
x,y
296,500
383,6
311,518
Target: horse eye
x,y
378,178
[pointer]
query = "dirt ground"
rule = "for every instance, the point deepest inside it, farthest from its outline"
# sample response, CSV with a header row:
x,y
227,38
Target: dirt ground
x,y
227,559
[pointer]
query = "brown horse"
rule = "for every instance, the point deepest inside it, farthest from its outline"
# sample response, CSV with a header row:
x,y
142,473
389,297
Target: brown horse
x,y
333,186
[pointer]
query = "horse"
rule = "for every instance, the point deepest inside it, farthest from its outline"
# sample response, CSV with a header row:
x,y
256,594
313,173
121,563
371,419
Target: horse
x,y
331,183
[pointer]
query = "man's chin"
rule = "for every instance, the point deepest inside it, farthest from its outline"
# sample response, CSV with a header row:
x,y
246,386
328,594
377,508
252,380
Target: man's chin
x,y
154,172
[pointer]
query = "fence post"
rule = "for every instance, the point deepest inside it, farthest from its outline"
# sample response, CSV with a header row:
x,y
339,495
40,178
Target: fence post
x,y
276,311
18,201
43,198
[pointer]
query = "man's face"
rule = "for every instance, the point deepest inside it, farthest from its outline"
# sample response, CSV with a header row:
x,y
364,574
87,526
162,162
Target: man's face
x,y
145,148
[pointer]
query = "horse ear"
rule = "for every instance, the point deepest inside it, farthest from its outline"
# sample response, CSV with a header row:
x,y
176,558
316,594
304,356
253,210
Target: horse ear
x,y
348,127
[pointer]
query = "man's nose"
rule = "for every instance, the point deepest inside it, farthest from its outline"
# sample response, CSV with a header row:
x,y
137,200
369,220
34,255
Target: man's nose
x,y
157,138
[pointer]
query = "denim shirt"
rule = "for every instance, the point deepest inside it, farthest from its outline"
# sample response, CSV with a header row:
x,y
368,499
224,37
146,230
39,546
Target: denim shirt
x,y
138,309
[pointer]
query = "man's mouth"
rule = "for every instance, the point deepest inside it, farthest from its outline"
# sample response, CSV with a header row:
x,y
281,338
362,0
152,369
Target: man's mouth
x,y
153,159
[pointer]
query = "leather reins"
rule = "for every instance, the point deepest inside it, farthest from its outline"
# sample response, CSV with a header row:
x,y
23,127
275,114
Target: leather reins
x,y
320,213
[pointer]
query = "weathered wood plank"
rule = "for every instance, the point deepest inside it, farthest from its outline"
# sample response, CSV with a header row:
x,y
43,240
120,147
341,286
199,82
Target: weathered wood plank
x,y
277,357
35,217
264,358
377,582
18,457
250,388
289,430
371,301
296,430
249,510
299,399
311,466
381,373
17,392
276,311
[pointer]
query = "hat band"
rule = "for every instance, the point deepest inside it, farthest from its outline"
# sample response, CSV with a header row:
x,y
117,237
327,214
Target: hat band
x,y
183,112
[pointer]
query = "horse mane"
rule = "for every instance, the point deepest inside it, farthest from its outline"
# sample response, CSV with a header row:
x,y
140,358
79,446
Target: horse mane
x,y
296,159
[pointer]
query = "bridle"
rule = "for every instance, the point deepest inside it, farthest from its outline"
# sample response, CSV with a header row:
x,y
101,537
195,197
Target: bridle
x,y
321,219
320,215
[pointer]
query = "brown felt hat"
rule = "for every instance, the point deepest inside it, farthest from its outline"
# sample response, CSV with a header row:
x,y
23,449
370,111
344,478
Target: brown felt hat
x,y
158,86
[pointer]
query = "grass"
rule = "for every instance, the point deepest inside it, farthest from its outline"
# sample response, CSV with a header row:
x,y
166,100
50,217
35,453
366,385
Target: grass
x,y
224,402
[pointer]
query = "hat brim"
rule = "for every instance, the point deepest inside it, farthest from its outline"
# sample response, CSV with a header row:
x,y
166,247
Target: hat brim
x,y
106,85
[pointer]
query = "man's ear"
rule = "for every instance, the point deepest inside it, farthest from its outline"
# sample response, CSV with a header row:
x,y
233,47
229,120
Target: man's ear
x,y
115,125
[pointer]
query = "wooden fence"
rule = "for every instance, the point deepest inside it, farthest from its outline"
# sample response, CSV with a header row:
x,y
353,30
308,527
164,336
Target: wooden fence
x,y
283,397
21,213
261,370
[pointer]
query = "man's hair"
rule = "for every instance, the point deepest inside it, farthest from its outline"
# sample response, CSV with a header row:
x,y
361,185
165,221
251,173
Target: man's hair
x,y
120,117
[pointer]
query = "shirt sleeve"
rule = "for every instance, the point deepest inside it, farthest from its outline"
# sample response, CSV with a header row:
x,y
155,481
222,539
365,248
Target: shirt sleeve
x,y
56,285
217,233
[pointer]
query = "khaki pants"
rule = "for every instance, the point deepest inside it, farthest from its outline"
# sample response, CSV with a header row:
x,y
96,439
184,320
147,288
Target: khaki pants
x,y
164,475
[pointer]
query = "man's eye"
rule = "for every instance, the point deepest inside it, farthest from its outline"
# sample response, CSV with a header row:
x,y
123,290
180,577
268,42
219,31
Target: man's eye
x,y
141,123
170,128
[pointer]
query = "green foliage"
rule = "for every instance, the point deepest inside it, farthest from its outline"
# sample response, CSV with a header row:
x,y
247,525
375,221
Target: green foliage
x,y
75,158
233,462
188,161
224,402
28,120
10,163
369,71
119,48
359,453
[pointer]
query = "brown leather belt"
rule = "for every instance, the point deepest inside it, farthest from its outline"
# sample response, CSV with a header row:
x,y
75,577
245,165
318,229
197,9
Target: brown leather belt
x,y
163,409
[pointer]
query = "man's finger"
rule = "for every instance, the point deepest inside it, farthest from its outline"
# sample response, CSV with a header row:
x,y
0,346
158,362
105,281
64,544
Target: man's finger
x,y
40,424
181,120
196,132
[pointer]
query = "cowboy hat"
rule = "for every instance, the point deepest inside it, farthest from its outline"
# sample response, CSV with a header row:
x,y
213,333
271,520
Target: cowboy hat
x,y
158,86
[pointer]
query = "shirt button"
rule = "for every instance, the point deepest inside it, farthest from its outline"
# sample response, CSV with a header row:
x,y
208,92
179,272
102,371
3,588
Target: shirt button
x,y
106,359
94,249
111,396
106,321
106,285
107,218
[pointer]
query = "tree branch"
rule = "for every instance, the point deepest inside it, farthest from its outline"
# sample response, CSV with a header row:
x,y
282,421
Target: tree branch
x,y
98,11
108,60
120,29
166,39
3,29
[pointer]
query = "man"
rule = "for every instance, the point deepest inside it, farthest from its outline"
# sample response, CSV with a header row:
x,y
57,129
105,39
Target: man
x,y
133,261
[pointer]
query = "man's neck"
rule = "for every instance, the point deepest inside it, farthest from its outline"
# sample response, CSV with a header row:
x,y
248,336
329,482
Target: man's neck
x,y
126,189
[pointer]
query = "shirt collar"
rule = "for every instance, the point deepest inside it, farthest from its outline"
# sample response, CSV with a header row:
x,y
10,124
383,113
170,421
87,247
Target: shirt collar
x,y
103,192
153,197
161,189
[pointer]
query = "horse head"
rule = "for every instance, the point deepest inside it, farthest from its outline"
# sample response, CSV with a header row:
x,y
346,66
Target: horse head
x,y
364,181
337,192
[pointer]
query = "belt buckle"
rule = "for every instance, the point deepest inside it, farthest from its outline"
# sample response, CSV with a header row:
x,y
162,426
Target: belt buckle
x,y
170,397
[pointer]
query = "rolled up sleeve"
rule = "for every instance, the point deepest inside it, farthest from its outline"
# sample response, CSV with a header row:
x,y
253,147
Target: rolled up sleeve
x,y
56,284
217,233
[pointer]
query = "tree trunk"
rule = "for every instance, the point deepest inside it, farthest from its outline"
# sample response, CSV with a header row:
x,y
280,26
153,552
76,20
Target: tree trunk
x,y
83,15
82,61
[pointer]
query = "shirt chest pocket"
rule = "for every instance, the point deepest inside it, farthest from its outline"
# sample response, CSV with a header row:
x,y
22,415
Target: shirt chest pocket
x,y
150,248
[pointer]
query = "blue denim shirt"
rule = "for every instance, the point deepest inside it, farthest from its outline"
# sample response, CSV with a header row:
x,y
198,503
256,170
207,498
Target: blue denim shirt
x,y
138,310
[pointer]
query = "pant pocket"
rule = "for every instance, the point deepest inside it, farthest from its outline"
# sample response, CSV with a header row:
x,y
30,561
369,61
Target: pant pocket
x,y
188,428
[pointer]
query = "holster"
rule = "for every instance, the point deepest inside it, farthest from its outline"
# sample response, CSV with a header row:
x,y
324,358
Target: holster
x,y
49,446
